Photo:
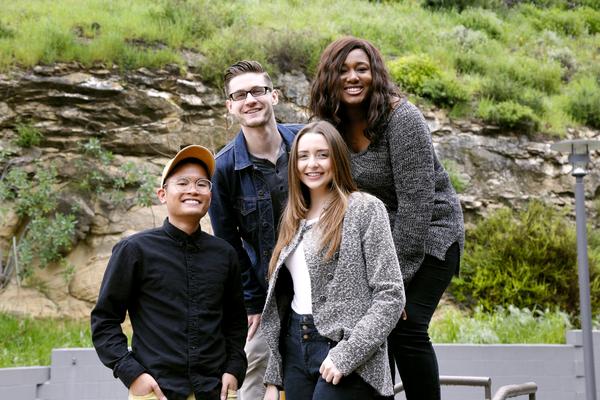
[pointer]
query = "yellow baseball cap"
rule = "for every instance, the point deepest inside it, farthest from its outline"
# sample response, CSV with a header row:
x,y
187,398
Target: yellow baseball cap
x,y
193,151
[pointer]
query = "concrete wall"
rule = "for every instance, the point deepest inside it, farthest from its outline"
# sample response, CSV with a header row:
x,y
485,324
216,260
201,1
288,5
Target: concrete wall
x,y
557,369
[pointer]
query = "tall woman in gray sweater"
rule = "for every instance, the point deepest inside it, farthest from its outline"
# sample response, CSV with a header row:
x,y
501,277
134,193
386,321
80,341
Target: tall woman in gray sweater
x,y
392,157
335,287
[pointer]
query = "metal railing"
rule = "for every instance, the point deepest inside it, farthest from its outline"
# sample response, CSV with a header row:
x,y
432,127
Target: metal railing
x,y
448,380
505,392
508,391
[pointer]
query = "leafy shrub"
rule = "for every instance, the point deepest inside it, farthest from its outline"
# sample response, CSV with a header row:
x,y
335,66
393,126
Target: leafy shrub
x,y
482,20
418,74
28,135
592,20
565,57
99,178
470,63
584,102
411,72
555,19
32,197
505,89
49,234
444,92
500,89
526,258
48,238
467,38
503,325
509,115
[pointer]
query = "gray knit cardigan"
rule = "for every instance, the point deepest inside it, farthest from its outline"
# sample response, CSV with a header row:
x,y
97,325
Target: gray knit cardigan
x,y
357,297
402,170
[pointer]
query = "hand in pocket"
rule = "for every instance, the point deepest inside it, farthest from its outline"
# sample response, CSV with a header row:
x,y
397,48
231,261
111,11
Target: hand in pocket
x,y
144,385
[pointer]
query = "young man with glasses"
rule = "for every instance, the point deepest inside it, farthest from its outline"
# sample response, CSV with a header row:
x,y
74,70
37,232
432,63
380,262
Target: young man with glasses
x,y
183,292
249,194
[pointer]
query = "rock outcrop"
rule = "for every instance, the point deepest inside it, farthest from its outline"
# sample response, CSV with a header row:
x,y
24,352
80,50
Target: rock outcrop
x,y
143,117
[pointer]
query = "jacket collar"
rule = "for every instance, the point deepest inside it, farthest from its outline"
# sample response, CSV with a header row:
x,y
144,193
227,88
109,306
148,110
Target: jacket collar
x,y
240,150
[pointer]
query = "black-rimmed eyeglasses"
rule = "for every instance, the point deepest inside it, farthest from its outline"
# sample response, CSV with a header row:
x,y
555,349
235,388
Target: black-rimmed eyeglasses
x,y
256,91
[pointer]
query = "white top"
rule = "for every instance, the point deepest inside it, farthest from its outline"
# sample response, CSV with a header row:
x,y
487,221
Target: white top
x,y
296,264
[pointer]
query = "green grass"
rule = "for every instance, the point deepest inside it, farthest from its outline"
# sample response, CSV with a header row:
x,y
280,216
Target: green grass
x,y
27,341
510,325
529,57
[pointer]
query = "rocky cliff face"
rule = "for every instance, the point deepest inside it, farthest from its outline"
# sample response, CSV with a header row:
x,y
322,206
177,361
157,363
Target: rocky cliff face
x,y
144,117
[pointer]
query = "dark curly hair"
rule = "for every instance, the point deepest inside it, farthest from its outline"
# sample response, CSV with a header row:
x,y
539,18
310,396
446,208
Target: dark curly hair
x,y
325,91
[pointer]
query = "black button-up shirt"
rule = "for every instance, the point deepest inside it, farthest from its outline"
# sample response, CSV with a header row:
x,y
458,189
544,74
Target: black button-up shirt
x,y
184,298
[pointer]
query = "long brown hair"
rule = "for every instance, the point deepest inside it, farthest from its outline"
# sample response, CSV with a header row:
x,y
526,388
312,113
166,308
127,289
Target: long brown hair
x,y
298,203
325,92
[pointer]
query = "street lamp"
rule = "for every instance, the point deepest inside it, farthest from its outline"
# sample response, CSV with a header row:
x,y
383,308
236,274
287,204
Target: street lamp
x,y
579,156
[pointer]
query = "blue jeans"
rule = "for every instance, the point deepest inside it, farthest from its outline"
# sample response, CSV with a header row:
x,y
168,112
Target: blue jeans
x,y
303,351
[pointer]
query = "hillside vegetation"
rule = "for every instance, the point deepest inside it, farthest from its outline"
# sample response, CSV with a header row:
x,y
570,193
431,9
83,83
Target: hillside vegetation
x,y
526,66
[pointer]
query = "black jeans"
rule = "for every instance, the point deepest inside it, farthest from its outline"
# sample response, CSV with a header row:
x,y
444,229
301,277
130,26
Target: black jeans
x,y
408,343
303,351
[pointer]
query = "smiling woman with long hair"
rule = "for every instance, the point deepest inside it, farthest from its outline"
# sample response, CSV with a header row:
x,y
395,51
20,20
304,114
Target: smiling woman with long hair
x,y
335,287
392,157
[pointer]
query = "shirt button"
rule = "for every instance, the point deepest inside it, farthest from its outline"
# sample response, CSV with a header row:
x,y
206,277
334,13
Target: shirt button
x,y
322,298
305,337
304,327
329,276
260,193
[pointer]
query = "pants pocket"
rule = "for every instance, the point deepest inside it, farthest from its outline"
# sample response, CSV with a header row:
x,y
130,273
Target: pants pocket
x,y
149,396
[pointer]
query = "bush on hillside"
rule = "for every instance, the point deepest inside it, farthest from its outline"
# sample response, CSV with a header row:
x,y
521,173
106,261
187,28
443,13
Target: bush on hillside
x,y
444,91
509,115
482,20
419,74
470,63
411,72
555,19
527,259
584,102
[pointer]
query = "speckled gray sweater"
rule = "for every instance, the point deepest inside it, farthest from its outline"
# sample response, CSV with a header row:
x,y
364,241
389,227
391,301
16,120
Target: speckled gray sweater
x,y
403,171
357,297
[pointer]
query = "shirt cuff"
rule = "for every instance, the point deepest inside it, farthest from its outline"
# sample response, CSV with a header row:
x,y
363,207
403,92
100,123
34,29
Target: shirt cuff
x,y
255,306
128,369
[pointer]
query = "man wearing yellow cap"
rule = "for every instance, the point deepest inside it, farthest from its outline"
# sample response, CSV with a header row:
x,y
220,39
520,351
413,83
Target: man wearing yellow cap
x,y
183,292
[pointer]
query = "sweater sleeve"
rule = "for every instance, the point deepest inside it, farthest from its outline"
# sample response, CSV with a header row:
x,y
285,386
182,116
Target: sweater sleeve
x,y
412,159
384,280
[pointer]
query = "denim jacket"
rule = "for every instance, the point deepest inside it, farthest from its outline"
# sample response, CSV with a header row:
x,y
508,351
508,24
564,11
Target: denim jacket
x,y
241,212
